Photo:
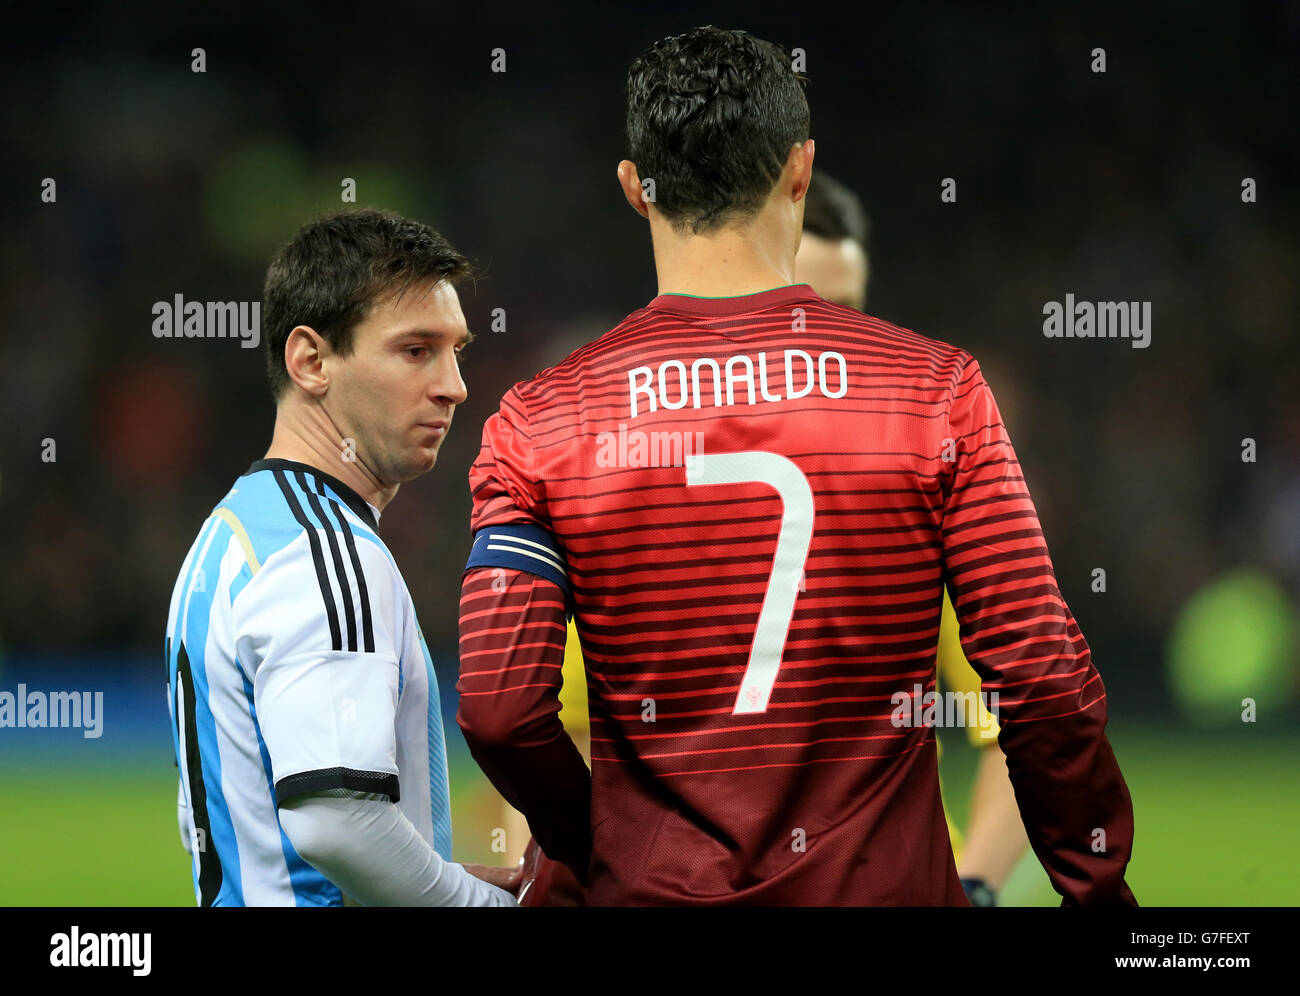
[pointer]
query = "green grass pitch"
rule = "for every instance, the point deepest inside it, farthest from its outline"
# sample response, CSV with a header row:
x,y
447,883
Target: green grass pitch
x,y
1215,816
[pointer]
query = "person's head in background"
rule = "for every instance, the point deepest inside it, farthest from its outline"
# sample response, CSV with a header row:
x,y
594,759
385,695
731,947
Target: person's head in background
x,y
832,256
834,261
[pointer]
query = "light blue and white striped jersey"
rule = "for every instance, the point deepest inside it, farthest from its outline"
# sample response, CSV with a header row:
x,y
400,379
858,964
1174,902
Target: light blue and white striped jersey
x,y
295,664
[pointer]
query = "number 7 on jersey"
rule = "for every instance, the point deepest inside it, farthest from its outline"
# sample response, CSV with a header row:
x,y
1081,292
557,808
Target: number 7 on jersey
x,y
792,543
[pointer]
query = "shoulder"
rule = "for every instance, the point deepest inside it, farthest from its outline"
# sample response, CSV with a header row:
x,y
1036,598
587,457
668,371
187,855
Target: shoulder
x,y
317,571
886,335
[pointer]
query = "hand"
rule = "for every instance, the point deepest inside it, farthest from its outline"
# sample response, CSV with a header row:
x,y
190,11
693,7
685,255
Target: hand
x,y
508,879
547,882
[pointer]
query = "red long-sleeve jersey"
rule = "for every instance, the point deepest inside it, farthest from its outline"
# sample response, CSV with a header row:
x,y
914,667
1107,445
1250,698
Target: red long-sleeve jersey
x,y
755,503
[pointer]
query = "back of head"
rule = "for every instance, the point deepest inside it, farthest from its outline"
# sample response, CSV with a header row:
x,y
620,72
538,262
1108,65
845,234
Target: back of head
x,y
711,117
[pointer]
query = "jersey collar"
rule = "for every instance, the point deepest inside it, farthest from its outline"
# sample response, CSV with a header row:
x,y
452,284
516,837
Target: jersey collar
x,y
351,499
688,304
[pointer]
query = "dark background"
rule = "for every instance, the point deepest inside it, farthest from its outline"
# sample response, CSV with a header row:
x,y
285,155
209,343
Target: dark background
x,y
1118,186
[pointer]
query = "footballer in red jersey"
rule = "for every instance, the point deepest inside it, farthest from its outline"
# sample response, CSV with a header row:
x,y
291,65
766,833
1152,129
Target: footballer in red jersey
x,y
750,500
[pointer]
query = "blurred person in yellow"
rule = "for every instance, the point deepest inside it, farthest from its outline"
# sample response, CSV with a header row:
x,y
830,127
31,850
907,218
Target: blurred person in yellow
x,y
834,261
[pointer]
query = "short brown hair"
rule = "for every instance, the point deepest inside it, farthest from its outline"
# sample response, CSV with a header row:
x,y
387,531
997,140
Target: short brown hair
x,y
335,268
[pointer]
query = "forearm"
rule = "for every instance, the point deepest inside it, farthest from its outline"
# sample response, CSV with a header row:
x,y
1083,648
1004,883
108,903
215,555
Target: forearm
x,y
372,852
512,633
550,784
1075,804
995,840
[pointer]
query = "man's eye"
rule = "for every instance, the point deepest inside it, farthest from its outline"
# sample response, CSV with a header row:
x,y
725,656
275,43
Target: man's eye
x,y
415,352
460,356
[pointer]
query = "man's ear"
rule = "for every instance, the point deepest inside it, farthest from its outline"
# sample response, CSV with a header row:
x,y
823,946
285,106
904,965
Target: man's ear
x,y
632,191
800,162
304,359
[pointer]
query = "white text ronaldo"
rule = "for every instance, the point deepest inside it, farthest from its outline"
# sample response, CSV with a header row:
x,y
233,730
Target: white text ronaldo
x,y
740,380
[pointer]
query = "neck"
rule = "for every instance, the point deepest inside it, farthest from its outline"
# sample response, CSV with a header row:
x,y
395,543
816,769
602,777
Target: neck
x,y
725,263
305,433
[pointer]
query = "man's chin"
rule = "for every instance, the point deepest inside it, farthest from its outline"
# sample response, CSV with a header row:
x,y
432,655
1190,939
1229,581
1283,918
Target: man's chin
x,y
417,467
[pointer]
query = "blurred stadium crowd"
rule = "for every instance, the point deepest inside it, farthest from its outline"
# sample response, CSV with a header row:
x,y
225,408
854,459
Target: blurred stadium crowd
x,y
1117,186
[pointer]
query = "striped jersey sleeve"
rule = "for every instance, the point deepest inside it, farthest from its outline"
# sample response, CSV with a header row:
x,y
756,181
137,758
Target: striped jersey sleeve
x,y
326,681
1034,663
514,601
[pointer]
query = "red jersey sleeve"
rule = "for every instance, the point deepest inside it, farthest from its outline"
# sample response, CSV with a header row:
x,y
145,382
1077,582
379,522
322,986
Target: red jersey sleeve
x,y
503,481
512,634
1023,641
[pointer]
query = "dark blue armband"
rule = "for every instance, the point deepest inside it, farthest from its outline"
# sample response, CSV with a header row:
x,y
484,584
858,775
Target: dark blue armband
x,y
521,547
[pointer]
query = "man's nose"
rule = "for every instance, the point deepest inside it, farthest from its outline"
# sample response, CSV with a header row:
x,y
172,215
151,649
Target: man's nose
x,y
449,384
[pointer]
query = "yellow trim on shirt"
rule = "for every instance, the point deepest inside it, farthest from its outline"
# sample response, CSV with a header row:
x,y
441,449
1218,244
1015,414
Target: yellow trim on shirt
x,y
241,534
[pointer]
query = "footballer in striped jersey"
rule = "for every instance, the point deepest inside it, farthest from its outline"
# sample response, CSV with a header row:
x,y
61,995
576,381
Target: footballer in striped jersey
x,y
750,500
306,718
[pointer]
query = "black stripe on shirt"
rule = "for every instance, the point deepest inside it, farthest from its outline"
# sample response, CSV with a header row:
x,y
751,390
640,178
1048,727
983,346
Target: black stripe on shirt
x,y
317,556
209,862
367,624
349,613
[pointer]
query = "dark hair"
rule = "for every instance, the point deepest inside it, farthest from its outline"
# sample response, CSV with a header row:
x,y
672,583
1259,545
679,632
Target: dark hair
x,y
833,211
333,269
711,116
